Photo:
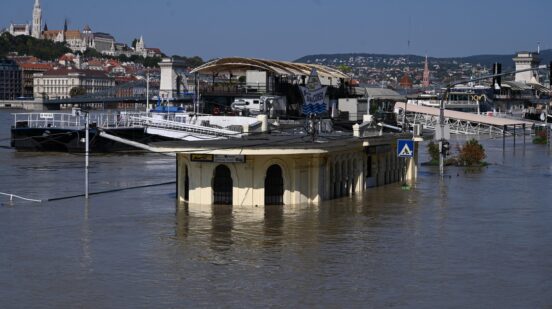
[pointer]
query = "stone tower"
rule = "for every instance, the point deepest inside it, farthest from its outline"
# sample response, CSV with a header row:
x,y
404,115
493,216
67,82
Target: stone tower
x,y
37,20
526,60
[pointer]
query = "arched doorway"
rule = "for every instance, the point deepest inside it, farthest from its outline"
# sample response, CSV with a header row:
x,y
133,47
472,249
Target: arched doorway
x,y
274,186
222,186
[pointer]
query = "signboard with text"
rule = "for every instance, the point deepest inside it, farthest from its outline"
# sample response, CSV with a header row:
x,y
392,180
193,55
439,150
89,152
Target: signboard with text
x,y
203,157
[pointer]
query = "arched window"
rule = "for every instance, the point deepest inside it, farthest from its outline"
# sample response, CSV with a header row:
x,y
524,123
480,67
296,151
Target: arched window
x,y
274,186
222,186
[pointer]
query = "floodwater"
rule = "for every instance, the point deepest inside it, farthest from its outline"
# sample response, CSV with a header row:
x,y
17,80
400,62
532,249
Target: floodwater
x,y
478,239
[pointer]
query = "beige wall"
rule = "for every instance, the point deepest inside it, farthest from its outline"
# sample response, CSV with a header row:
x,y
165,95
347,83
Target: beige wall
x,y
307,178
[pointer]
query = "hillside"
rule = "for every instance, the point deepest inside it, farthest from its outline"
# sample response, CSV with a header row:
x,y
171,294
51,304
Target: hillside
x,y
26,45
381,69
483,60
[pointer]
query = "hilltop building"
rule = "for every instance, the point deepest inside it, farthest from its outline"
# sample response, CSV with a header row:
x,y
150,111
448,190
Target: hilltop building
x,y
29,29
80,41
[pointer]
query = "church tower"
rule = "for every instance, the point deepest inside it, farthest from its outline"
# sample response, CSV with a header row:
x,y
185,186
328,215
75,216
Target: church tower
x,y
425,78
37,20
140,46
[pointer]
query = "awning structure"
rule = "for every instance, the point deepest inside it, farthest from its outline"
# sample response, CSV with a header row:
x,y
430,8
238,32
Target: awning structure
x,y
279,68
515,86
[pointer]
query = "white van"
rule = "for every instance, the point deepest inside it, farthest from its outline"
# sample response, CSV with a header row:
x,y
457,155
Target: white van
x,y
273,105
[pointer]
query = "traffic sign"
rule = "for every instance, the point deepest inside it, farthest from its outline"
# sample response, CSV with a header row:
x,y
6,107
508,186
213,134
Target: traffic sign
x,y
405,148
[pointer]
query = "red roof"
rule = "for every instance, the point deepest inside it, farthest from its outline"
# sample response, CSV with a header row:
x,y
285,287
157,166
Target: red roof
x,y
36,66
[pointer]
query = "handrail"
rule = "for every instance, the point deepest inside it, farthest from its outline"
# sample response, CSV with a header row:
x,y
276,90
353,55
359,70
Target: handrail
x,y
168,124
20,197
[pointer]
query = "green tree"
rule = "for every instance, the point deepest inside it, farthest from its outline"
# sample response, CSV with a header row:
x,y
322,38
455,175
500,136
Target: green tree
x,y
27,45
344,68
77,91
92,53
134,43
472,153
433,150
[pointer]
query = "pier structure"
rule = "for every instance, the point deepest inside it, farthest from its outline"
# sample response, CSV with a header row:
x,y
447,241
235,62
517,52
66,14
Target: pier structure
x,y
461,122
284,170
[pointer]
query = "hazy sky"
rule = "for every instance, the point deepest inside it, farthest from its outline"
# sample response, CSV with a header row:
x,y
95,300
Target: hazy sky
x,y
286,29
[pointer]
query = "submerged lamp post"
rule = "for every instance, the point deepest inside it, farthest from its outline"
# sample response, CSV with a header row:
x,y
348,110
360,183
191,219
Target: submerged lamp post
x,y
87,151
77,112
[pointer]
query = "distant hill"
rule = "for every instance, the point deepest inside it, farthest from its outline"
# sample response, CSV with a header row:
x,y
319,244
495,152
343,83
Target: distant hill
x,y
484,60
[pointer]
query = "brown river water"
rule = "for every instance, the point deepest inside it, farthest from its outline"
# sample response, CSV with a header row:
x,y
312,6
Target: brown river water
x,y
478,239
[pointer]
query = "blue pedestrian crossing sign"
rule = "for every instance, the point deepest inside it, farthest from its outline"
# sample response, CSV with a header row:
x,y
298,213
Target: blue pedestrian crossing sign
x,y
405,148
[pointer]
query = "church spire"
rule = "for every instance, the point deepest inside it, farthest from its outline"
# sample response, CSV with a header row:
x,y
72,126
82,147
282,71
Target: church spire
x,y
425,80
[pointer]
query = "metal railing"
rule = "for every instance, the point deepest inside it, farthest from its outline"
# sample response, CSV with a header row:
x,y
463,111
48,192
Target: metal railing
x,y
182,126
69,121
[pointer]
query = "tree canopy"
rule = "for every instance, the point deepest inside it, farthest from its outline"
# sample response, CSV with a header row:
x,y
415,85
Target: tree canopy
x,y
27,45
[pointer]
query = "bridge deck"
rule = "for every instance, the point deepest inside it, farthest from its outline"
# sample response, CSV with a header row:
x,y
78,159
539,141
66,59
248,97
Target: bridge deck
x,y
462,116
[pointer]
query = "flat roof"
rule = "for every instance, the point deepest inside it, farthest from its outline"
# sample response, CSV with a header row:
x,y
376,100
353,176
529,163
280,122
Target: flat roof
x,y
267,144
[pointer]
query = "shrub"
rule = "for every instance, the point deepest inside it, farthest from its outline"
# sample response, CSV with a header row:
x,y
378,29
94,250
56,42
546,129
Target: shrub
x,y
472,153
540,137
433,150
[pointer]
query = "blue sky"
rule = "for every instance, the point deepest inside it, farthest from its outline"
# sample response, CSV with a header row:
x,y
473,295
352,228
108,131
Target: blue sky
x,y
289,29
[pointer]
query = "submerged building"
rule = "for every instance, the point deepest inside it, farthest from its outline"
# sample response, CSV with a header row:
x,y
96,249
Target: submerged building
x,y
292,169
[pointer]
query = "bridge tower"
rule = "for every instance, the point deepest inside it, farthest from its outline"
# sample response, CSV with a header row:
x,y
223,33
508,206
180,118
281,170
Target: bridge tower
x,y
173,78
527,60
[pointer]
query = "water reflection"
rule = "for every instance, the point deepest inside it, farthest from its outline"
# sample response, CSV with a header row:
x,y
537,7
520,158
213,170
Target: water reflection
x,y
222,222
85,235
273,225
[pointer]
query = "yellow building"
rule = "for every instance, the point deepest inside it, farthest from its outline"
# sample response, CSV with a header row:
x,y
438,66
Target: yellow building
x,y
285,170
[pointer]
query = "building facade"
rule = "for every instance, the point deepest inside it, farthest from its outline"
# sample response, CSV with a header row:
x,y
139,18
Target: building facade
x,y
57,83
27,71
10,80
290,174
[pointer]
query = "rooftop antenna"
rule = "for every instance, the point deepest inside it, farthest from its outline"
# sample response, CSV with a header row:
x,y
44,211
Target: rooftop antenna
x,y
538,48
